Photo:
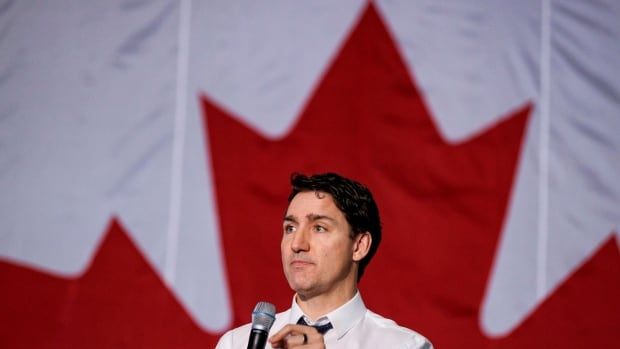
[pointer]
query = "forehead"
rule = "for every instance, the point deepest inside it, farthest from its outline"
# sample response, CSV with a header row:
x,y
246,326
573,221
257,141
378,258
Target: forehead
x,y
313,202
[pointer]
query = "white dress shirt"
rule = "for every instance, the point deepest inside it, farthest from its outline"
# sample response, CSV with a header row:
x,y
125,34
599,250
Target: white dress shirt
x,y
354,327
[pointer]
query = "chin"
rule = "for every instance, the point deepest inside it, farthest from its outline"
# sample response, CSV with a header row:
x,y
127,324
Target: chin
x,y
305,293
299,286
302,287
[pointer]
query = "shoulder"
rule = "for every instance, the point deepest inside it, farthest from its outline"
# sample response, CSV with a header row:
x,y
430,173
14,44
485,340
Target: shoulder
x,y
234,337
238,337
400,336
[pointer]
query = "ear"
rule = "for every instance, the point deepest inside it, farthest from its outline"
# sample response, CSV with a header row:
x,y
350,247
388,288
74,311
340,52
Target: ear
x,y
361,246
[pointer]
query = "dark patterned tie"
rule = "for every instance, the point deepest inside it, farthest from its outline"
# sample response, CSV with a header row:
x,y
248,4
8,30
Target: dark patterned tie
x,y
321,328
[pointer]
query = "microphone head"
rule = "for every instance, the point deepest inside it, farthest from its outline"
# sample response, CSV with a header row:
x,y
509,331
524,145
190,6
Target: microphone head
x,y
263,316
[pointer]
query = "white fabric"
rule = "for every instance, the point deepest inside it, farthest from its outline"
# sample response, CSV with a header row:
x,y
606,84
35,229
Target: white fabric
x,y
354,327
88,95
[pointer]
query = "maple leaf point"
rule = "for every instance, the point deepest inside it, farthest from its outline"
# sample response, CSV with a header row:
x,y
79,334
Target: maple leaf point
x,y
442,205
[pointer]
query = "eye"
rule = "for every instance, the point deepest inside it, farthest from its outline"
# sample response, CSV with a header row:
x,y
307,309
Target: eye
x,y
289,228
320,229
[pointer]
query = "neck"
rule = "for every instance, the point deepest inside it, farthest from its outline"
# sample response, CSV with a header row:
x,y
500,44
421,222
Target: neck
x,y
316,306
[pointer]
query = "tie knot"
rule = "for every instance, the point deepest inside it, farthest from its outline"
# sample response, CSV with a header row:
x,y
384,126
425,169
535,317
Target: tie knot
x,y
322,329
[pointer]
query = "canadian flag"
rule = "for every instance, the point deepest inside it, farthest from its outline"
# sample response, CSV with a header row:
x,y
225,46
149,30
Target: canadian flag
x,y
146,146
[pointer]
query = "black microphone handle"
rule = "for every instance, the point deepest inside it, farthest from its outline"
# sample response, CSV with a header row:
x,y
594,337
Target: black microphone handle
x,y
258,339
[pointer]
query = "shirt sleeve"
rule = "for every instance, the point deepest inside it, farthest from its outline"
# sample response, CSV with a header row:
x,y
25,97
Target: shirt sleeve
x,y
225,341
417,342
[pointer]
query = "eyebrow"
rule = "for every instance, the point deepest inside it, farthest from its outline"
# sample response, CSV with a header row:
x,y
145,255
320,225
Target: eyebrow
x,y
311,217
315,217
290,218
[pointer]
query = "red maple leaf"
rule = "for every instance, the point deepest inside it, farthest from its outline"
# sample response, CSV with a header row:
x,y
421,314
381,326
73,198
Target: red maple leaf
x,y
119,302
442,205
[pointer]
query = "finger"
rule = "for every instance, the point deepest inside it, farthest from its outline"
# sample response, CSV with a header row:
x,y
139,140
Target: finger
x,y
293,336
290,329
291,341
295,340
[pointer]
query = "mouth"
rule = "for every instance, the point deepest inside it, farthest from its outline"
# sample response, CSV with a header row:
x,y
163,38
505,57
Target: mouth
x,y
299,263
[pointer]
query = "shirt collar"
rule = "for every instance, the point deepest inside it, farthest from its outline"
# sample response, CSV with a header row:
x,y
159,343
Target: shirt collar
x,y
343,318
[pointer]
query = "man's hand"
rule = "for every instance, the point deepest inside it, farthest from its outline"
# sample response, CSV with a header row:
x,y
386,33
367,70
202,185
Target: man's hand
x,y
297,336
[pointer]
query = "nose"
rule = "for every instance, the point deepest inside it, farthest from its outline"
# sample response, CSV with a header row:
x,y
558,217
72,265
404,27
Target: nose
x,y
300,241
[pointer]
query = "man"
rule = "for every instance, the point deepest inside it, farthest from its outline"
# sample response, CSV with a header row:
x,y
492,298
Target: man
x,y
331,231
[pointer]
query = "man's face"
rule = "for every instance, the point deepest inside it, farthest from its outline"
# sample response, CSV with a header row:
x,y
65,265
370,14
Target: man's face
x,y
318,252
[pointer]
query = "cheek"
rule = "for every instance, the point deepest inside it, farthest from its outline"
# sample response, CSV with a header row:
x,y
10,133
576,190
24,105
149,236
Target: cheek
x,y
283,248
285,242
338,255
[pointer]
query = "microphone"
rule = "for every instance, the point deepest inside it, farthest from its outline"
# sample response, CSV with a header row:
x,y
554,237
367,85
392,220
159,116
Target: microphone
x,y
263,316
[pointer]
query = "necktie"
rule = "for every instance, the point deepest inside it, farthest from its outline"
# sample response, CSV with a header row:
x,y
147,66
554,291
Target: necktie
x,y
321,328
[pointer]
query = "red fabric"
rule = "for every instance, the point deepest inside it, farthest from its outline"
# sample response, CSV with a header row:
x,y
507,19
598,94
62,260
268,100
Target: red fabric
x,y
442,206
119,302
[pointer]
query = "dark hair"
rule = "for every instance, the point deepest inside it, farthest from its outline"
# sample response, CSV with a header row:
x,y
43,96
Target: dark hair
x,y
352,198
